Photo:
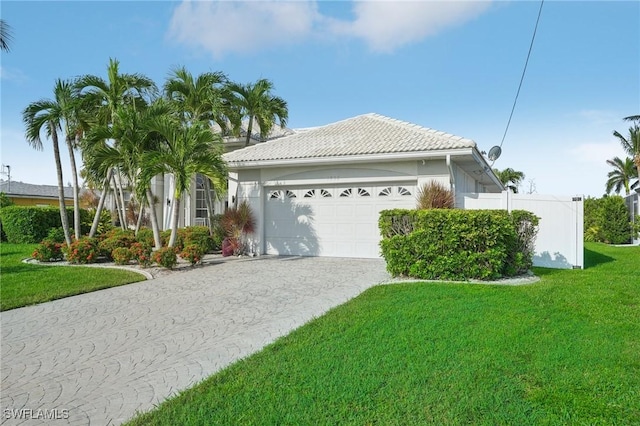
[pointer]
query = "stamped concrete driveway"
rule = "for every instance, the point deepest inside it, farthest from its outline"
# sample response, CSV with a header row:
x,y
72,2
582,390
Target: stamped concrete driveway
x,y
100,357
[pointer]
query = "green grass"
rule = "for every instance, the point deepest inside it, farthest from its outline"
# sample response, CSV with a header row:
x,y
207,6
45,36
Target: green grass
x,y
22,284
562,351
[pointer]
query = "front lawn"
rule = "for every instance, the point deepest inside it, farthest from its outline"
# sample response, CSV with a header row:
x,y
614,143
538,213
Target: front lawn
x,y
565,350
22,284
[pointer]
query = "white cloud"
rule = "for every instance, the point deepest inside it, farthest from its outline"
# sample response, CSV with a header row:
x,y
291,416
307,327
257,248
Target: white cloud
x,y
596,153
224,27
227,27
386,26
12,74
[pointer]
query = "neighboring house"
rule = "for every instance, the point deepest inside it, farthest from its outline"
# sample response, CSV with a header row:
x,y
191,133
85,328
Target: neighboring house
x,y
26,194
319,192
633,204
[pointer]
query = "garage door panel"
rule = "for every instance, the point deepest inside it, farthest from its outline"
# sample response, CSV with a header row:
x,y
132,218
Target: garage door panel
x,y
344,226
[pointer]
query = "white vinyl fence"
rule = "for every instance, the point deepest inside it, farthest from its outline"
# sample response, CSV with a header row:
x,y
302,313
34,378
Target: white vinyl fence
x,y
560,241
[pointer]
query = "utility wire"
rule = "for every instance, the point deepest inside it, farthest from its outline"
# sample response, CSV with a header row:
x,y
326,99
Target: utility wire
x,y
535,30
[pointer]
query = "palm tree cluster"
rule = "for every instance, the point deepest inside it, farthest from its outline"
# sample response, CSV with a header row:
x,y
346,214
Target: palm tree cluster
x,y
510,178
128,131
626,172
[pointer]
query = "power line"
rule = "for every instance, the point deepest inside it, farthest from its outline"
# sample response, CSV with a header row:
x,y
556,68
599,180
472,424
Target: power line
x,y
515,101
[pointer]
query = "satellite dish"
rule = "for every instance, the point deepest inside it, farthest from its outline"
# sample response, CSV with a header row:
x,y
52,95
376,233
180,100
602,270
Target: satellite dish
x,y
494,153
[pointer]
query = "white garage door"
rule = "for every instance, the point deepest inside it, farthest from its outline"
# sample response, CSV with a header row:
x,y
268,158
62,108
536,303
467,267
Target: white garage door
x,y
339,221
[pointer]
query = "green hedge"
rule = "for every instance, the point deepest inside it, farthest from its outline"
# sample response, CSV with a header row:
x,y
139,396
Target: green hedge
x,y
457,244
30,225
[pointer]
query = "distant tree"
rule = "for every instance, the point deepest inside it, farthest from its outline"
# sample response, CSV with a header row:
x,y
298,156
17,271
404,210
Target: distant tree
x,y
622,175
255,102
5,36
510,178
631,143
616,223
4,200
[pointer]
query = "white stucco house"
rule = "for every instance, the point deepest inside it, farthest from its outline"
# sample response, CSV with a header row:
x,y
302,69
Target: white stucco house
x,y
318,192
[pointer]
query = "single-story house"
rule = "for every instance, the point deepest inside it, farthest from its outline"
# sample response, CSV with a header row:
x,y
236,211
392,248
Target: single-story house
x,y
319,192
26,194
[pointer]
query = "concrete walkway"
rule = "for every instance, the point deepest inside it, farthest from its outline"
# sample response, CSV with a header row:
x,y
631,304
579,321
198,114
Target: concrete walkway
x,y
96,359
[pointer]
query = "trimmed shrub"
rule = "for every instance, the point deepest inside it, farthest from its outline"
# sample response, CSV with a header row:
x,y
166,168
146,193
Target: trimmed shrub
x,y
122,255
434,195
84,250
145,237
217,232
30,225
166,235
198,235
166,257
116,239
141,253
457,244
56,234
48,251
192,253
616,223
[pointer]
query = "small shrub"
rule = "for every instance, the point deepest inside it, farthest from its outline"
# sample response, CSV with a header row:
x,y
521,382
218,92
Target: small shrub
x,y
141,253
56,234
48,251
238,222
166,257
192,253
116,239
166,235
84,250
434,195
230,246
198,235
122,255
145,236
217,232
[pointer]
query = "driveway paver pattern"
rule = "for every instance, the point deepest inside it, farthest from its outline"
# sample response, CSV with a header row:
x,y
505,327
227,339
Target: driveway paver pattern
x,y
98,358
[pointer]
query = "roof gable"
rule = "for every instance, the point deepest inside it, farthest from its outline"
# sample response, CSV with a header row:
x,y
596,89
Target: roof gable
x,y
34,191
361,135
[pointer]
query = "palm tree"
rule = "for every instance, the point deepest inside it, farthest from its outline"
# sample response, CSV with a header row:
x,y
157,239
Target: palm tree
x,y
103,98
631,144
255,102
202,99
186,150
5,35
49,115
621,176
510,178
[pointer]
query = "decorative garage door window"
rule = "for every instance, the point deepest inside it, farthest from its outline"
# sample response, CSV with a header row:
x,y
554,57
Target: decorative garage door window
x,y
316,193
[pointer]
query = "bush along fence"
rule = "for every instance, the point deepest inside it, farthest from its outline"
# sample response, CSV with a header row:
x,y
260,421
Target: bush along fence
x,y
457,244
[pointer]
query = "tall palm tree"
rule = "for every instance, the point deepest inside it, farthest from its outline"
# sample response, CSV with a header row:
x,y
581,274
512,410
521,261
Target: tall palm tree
x,y
203,99
186,150
49,115
255,102
103,98
622,175
5,35
510,178
631,144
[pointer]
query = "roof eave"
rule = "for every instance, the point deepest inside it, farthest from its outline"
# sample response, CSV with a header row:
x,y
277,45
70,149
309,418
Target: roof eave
x,y
362,158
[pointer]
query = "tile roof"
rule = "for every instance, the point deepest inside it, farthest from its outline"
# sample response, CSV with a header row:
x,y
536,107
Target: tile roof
x,y
276,131
30,190
361,135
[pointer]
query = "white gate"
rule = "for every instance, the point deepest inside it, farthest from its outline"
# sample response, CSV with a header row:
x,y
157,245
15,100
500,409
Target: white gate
x,y
560,241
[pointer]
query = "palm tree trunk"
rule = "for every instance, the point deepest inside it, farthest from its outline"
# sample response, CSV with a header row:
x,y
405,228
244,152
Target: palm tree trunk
x,y
76,201
154,220
123,224
209,203
117,200
103,197
140,214
174,221
249,129
63,209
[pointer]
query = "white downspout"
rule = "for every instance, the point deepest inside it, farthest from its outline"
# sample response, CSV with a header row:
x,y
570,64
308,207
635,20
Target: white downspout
x,y
452,178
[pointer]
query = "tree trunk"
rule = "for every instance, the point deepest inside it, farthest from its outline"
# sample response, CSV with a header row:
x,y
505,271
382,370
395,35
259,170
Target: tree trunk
x,y
209,203
76,201
103,196
249,128
154,220
174,221
140,215
124,224
63,209
117,200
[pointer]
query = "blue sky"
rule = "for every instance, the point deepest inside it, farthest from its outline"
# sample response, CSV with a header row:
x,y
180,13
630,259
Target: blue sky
x,y
451,66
